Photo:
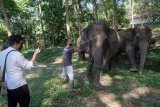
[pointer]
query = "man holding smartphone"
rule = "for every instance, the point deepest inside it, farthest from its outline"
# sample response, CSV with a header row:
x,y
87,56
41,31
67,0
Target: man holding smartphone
x,y
16,64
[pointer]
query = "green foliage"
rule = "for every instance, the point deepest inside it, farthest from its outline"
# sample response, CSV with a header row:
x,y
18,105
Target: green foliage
x,y
3,35
107,13
54,19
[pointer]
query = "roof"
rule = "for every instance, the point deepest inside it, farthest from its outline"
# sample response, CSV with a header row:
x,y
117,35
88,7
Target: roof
x,y
141,20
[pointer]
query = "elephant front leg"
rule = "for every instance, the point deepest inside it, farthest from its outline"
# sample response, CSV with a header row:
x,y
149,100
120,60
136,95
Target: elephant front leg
x,y
89,70
98,75
143,51
130,50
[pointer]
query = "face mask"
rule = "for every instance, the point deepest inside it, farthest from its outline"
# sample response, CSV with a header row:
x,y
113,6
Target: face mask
x,y
70,44
20,48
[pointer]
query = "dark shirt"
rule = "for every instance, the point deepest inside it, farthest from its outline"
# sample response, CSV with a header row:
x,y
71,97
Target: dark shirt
x,y
67,55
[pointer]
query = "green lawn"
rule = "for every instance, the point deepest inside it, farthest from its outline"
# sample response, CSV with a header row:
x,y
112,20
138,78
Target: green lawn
x,y
120,89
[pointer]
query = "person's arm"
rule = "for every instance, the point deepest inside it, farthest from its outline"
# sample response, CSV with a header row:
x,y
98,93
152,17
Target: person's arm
x,y
37,51
76,50
24,63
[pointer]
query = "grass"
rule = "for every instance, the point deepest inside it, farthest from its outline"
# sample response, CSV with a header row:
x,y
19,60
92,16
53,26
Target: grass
x,y
120,89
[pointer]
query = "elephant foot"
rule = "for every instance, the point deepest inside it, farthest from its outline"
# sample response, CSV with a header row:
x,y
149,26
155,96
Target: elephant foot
x,y
96,84
113,70
140,72
133,69
90,78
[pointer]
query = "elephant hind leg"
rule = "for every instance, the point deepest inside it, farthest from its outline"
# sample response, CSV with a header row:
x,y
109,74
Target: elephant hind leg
x,y
130,50
112,63
133,68
89,71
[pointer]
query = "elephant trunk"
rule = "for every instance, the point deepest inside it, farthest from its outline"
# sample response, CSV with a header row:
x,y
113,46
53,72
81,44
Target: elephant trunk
x,y
98,58
143,52
98,51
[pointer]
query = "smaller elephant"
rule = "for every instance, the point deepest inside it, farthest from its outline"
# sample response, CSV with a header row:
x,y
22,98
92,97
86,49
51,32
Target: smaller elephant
x,y
135,42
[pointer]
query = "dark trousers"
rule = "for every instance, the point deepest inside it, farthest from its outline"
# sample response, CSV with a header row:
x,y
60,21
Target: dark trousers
x,y
19,95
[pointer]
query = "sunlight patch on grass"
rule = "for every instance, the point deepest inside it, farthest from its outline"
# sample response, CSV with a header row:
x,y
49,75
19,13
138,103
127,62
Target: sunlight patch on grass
x,y
74,60
81,69
90,102
40,65
28,76
136,93
106,80
109,99
46,102
118,77
58,60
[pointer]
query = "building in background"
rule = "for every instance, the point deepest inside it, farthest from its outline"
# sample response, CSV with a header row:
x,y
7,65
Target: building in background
x,y
141,19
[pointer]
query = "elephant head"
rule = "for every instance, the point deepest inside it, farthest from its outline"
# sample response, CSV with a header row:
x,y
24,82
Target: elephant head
x,y
98,35
142,33
143,36
137,40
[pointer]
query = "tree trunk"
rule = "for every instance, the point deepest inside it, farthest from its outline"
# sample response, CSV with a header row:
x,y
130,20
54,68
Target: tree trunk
x,y
105,9
67,19
6,21
95,10
132,2
115,21
77,10
43,36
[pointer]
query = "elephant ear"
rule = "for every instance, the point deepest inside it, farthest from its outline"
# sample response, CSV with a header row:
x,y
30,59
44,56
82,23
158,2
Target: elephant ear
x,y
83,42
111,43
130,33
106,29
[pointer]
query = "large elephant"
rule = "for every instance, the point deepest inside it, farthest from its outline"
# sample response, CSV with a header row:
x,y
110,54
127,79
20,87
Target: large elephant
x,y
101,42
135,42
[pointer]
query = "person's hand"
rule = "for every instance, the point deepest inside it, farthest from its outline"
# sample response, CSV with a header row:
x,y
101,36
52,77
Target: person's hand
x,y
77,50
37,51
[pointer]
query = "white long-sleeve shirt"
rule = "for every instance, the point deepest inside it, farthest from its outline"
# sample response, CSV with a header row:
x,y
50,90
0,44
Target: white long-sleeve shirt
x,y
15,68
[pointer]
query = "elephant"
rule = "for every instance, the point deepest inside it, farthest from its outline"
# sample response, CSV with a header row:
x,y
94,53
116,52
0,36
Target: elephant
x,y
101,43
135,42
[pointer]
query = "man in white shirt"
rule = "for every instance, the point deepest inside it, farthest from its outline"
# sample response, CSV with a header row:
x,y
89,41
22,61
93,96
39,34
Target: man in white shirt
x,y
17,87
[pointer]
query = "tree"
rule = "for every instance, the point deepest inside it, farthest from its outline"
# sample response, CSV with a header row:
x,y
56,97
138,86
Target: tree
x,y
41,21
78,14
95,8
6,20
115,14
67,18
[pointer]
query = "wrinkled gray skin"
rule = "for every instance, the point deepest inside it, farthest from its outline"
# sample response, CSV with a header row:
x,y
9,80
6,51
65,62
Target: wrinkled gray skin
x,y
135,43
101,43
